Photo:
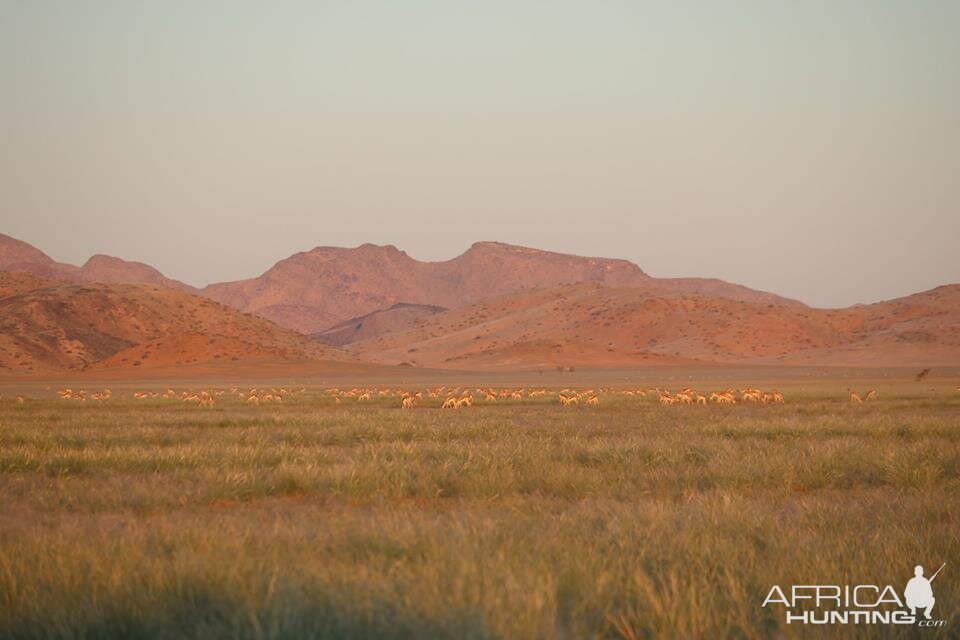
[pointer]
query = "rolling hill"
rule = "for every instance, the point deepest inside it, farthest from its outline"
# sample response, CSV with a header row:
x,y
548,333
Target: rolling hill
x,y
495,306
399,317
315,290
77,327
589,325
18,256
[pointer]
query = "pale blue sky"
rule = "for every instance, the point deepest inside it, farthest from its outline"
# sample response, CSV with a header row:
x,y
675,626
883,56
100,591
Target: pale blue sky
x,y
808,148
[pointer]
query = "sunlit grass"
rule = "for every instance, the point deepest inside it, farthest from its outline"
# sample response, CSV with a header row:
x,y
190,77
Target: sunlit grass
x,y
519,519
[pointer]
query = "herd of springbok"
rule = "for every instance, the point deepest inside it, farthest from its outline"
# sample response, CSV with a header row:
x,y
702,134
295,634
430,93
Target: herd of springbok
x,y
445,397
460,397
454,397
202,397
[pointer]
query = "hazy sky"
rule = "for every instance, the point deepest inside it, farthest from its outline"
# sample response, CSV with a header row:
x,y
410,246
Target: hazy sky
x,y
808,148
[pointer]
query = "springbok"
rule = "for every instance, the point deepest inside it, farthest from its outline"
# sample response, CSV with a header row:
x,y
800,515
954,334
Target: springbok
x,y
410,400
568,400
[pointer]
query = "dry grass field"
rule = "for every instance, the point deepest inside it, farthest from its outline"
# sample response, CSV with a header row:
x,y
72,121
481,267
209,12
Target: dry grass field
x,y
137,518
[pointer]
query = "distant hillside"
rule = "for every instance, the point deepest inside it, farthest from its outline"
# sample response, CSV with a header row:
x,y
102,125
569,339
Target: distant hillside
x,y
311,291
74,327
494,306
16,255
13,282
399,317
594,325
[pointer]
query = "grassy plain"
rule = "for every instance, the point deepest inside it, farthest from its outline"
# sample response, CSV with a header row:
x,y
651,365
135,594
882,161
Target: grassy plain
x,y
519,519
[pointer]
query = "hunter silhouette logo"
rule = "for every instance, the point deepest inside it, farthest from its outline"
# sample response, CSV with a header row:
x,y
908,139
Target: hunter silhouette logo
x,y
919,593
859,604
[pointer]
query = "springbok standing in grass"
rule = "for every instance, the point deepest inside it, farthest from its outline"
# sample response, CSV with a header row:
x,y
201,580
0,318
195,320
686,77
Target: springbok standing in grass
x,y
410,400
568,400
871,395
723,397
855,397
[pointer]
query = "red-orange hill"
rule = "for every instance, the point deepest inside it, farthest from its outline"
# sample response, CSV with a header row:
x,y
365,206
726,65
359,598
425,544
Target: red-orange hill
x,y
312,291
18,256
593,325
495,306
78,327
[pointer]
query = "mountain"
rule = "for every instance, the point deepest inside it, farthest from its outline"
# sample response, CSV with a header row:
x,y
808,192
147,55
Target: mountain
x,y
494,306
921,329
76,327
13,251
399,317
312,291
591,325
110,270
18,256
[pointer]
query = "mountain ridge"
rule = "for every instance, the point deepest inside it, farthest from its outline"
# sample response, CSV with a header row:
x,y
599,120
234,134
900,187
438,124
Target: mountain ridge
x,y
493,306
313,290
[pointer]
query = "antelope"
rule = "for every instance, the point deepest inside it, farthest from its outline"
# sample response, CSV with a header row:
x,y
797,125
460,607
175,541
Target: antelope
x,y
593,401
872,394
854,398
450,403
409,400
568,400
724,397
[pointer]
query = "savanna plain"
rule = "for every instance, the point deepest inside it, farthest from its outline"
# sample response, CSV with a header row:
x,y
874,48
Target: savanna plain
x,y
330,516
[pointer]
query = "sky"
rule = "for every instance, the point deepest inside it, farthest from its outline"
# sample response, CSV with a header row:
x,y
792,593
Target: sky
x,y
807,148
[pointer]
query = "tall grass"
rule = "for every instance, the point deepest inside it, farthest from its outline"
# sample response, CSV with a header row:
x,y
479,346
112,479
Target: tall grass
x,y
517,520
